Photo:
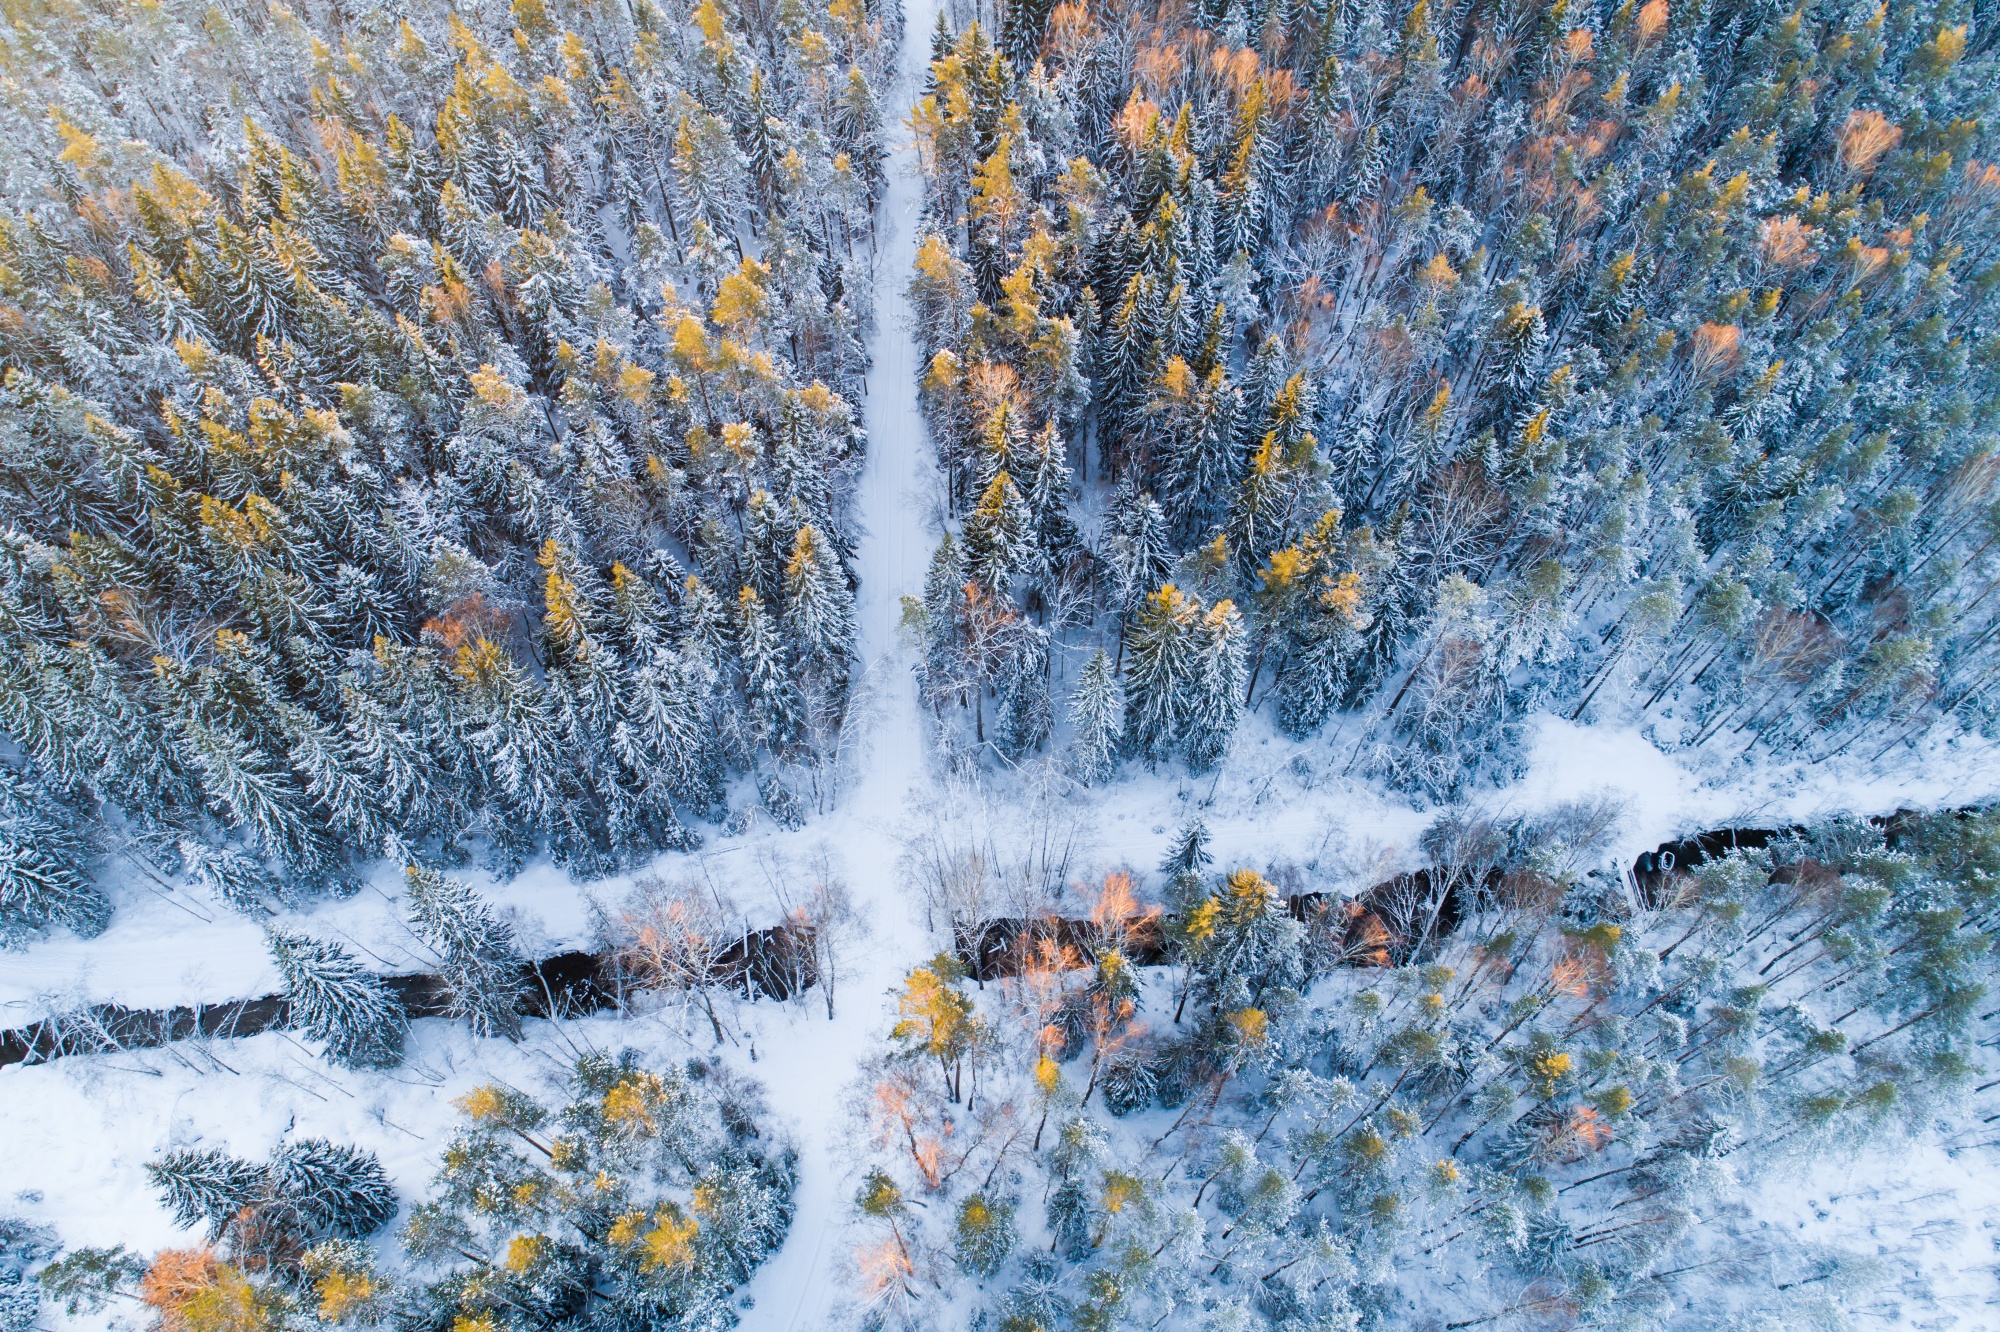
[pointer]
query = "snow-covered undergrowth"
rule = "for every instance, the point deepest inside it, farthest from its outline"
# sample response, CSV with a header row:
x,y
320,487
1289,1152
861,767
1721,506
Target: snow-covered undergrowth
x,y
1558,1107
1272,807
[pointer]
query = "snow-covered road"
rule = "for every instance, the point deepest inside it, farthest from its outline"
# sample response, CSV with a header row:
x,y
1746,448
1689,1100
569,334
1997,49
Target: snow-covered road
x,y
810,1062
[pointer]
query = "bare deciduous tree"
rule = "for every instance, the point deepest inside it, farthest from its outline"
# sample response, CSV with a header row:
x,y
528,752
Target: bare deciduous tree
x,y
670,936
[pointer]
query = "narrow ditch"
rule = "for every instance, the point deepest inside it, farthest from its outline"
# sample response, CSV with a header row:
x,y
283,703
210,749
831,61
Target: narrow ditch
x,y
1385,926
774,963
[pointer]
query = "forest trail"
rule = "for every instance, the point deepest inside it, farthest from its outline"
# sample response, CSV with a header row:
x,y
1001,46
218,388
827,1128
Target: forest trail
x,y
807,1063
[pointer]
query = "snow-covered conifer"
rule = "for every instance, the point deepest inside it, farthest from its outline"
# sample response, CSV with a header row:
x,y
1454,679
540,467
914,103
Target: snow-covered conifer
x,y
1216,692
476,956
1097,719
1163,672
775,710
999,536
984,1237
44,866
335,1000
819,608
204,1187
334,1192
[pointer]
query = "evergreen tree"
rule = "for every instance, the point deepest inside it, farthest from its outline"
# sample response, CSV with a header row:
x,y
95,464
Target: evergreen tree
x,y
44,879
1216,690
1538,386
1097,718
1200,460
665,1193
999,536
1162,676
477,960
332,1191
946,671
1189,852
1026,715
1139,552
333,999
205,1188
985,1234
819,609
774,707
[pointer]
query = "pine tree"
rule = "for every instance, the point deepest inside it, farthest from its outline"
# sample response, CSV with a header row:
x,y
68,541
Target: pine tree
x,y
999,537
333,999
1163,674
613,1216
984,1237
1097,719
1071,1220
478,963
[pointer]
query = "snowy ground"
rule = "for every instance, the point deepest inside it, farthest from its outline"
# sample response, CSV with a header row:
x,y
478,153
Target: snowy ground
x,y
811,1061
1928,1215
80,1130
1275,800
1920,1226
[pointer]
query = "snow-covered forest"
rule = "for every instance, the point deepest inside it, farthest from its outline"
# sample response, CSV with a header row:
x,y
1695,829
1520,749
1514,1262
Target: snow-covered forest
x,y
1434,366
420,437
1114,664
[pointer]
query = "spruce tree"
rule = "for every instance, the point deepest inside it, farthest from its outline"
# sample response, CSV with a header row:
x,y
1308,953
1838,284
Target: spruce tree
x,y
205,1188
1026,715
316,632
819,608
1163,673
999,536
477,960
1097,720
334,1000
44,866
1139,551
775,711
332,1192
1189,852
1216,693
230,875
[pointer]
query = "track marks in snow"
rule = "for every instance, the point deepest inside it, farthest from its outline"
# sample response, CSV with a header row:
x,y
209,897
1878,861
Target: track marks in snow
x,y
811,1061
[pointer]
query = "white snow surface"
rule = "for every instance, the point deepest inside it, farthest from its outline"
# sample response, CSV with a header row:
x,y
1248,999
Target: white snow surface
x,y
812,1061
80,1130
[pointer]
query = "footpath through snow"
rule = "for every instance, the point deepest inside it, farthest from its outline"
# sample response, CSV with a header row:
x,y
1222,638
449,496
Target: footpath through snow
x,y
811,1061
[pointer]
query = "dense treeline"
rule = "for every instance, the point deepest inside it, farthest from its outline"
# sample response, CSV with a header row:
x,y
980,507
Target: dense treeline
x,y
1546,1116
419,426
1452,362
